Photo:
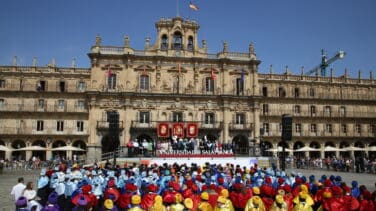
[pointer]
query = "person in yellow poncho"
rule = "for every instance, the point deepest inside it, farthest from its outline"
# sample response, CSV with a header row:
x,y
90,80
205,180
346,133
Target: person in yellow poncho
x,y
178,206
255,204
279,204
136,201
221,205
303,202
204,204
225,194
158,204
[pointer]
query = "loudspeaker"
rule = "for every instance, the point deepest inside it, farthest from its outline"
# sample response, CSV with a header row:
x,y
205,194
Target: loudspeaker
x,y
286,127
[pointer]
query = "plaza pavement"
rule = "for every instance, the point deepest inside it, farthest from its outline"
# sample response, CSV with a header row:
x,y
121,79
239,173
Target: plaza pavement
x,y
9,178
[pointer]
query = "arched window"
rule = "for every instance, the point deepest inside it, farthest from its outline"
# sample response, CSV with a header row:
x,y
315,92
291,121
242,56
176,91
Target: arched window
x,y
164,42
177,41
144,82
190,43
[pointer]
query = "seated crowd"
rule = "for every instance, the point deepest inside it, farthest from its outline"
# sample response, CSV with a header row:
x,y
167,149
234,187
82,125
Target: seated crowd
x,y
190,187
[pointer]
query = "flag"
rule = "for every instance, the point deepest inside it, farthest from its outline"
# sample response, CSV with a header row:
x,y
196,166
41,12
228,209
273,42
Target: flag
x,y
108,73
193,7
212,74
242,76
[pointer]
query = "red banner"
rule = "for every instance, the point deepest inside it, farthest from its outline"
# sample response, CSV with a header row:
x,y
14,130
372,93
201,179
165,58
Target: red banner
x,y
192,130
163,130
178,130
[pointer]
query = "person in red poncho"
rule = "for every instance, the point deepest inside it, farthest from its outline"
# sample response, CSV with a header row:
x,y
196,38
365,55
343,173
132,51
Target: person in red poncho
x,y
111,192
351,203
239,196
147,200
125,198
366,204
90,198
335,202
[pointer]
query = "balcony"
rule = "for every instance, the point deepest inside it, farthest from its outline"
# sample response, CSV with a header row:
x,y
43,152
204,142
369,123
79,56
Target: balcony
x,y
45,131
104,125
41,108
241,127
154,125
320,114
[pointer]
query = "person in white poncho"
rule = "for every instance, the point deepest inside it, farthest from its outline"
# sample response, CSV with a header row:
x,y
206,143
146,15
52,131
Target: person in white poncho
x,y
30,194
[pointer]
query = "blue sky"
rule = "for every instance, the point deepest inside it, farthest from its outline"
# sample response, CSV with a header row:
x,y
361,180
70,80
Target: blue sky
x,y
285,32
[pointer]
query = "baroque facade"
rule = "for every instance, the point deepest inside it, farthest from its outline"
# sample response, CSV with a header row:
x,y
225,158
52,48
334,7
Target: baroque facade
x,y
177,80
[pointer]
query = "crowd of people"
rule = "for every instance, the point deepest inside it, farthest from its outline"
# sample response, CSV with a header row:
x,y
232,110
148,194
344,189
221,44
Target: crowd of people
x,y
187,187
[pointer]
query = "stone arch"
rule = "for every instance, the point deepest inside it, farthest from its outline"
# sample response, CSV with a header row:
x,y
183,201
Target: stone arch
x,y
59,154
297,145
359,144
18,155
80,144
39,154
241,145
344,154
265,146
2,153
315,154
329,153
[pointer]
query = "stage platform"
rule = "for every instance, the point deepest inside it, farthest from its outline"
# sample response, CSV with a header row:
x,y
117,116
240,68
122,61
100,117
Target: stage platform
x,y
242,161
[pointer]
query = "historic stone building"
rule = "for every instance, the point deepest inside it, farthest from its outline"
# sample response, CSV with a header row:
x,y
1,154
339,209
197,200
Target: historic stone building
x,y
176,80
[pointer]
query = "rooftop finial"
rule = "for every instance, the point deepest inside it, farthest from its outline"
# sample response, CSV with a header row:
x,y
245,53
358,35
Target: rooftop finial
x,y
126,41
225,47
147,42
271,69
34,62
98,40
302,70
73,63
14,60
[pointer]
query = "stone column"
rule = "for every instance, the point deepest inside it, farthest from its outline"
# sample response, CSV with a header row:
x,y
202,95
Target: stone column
x,y
226,118
322,152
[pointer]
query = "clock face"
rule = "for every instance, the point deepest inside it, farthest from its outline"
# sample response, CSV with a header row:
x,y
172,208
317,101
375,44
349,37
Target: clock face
x,y
177,53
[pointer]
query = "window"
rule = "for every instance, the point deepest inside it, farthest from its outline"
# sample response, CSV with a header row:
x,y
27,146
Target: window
x,y
2,103
280,127
264,91
313,128
358,129
209,84
2,83
239,86
281,92
144,82
62,86
60,125
328,128
266,128
297,109
60,104
372,128
164,42
144,117
41,86
240,119
313,110
177,116
41,103
327,110
81,86
190,43
265,108
298,128
296,92
81,104
177,41
80,126
344,128
311,92
209,118
111,81
342,111
40,125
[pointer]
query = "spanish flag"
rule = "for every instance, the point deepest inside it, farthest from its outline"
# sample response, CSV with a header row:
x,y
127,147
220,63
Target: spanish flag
x,y
193,7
